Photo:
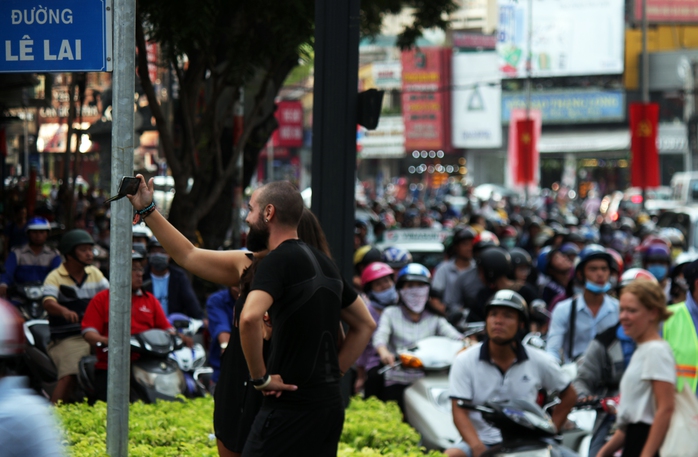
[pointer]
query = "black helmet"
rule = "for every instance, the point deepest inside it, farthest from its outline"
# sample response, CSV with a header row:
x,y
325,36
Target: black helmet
x,y
462,234
366,254
509,299
520,258
592,252
154,243
495,263
72,239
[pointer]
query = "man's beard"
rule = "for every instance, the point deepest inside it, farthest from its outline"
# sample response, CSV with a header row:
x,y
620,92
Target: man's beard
x,y
258,237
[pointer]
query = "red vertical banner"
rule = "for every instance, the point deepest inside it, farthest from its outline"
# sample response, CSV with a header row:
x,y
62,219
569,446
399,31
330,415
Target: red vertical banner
x,y
526,145
644,163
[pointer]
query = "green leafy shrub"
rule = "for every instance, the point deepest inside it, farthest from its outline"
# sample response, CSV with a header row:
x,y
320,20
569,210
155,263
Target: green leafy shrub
x,y
166,429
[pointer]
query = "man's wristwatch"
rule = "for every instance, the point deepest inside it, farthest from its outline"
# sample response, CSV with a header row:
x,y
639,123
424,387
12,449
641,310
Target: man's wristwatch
x,y
261,383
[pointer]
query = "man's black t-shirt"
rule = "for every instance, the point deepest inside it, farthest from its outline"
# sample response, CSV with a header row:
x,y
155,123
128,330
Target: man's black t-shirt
x,y
305,322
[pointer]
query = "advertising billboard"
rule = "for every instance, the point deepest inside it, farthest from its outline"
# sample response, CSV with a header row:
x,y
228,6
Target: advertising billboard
x,y
477,98
567,107
289,133
570,37
668,11
426,104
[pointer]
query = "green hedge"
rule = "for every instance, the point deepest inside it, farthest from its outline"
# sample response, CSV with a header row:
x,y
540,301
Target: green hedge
x,y
371,428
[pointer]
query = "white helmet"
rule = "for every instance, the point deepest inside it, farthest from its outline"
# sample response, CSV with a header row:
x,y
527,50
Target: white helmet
x,y
142,231
11,331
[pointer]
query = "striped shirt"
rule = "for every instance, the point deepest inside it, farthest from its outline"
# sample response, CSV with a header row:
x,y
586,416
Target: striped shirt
x,y
93,283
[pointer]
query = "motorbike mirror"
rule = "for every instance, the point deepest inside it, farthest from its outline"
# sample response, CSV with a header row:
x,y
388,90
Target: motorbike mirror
x,y
68,292
179,324
540,307
410,361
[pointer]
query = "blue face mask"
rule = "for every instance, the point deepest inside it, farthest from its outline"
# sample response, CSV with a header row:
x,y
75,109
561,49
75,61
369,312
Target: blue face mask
x,y
597,289
384,298
658,270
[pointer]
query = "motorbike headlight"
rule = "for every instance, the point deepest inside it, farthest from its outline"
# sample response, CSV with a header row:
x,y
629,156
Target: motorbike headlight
x,y
33,292
544,452
143,377
441,398
171,384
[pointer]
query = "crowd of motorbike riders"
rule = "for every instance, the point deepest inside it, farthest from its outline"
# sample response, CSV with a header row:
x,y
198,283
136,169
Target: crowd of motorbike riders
x,y
560,277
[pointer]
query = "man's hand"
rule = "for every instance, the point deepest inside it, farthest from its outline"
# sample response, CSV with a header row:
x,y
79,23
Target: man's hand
x,y
479,449
188,340
276,387
144,196
70,316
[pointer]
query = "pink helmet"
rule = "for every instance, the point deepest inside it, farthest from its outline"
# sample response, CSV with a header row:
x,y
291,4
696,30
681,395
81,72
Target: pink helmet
x,y
636,273
375,270
11,331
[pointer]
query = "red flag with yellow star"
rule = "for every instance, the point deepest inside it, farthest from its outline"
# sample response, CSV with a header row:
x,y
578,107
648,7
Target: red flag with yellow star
x,y
526,145
644,157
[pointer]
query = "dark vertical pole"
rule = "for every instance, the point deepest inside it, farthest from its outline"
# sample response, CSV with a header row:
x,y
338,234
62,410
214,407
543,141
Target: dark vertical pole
x,y
334,124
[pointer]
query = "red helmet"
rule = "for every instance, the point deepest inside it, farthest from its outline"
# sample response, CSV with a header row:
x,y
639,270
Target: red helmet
x,y
652,240
11,331
509,232
375,270
617,264
636,273
485,239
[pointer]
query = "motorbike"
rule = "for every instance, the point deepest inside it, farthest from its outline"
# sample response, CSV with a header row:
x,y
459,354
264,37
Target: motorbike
x,y
37,365
527,429
427,401
27,298
154,376
192,360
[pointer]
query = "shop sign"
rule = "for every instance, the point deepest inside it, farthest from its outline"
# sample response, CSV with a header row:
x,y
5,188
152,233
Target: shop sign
x,y
569,106
571,37
55,36
668,11
416,236
477,101
387,141
289,116
426,105
387,75
466,40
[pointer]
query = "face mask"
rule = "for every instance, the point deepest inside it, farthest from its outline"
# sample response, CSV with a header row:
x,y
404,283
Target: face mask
x,y
509,243
158,261
658,270
384,297
597,289
415,298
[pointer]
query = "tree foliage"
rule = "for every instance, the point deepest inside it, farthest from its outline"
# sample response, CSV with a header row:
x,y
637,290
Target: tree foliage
x,y
216,48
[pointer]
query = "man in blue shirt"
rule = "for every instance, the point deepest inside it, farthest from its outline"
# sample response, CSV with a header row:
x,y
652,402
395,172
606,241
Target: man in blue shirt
x,y
31,262
220,308
577,320
169,283
27,427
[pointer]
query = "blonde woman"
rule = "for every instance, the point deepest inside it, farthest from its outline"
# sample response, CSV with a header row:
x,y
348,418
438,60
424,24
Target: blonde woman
x,y
648,384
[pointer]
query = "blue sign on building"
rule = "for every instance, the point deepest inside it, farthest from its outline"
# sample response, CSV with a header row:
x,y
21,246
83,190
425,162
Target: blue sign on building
x,y
566,107
55,35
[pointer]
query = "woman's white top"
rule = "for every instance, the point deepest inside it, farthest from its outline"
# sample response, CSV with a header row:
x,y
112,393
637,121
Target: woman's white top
x,y
652,361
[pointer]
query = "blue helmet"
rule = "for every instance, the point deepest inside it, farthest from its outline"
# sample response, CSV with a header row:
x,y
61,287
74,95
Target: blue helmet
x,y
413,272
38,223
543,260
396,257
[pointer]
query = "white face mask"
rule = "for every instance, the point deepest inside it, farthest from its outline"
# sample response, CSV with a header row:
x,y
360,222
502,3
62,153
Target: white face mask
x,y
415,298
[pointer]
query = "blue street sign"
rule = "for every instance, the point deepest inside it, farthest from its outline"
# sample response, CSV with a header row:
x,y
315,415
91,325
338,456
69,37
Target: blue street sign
x,y
55,35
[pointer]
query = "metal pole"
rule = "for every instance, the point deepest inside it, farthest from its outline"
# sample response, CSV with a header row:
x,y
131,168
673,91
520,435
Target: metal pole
x,y
120,255
270,160
529,68
645,74
334,124
26,142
